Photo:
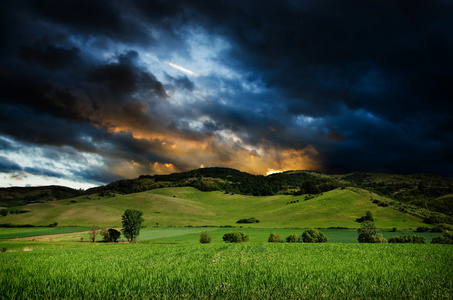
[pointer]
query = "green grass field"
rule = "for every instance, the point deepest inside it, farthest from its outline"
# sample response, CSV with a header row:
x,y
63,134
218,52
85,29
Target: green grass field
x,y
188,206
226,271
256,235
189,235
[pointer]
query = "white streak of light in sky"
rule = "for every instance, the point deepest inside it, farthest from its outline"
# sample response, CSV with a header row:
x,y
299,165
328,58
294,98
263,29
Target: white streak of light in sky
x,y
181,69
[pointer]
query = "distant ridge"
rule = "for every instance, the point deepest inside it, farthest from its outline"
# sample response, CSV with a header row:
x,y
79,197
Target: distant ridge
x,y
427,191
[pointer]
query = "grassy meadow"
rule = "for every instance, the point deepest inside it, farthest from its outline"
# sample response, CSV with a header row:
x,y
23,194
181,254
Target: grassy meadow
x,y
226,271
186,206
170,263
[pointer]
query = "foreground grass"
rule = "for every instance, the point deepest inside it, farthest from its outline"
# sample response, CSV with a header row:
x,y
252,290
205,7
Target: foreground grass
x,y
227,271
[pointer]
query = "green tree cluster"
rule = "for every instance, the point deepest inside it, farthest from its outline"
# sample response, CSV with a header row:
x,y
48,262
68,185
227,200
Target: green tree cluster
x,y
235,237
313,236
447,238
249,220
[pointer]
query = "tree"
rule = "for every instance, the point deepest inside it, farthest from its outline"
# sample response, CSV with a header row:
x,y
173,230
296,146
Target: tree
x,y
132,223
313,236
93,233
114,235
105,234
368,234
110,235
205,237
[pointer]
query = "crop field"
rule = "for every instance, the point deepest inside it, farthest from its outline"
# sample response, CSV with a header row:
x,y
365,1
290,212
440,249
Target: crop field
x,y
225,271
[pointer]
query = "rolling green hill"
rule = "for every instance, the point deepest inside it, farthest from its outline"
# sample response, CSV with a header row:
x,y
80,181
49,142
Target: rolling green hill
x,y
426,191
187,206
15,196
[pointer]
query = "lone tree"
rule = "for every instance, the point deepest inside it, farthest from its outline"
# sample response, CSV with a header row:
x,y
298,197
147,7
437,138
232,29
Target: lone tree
x,y
368,234
132,223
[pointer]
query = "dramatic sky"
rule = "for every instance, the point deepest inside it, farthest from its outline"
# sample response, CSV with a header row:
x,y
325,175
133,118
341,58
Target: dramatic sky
x,y
97,91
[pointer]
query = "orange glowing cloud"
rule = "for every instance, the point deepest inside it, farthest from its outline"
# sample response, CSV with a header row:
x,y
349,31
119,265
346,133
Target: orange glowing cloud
x,y
178,153
162,168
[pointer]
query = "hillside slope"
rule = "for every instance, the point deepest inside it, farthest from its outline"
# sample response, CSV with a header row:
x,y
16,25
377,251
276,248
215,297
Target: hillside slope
x,y
426,195
187,206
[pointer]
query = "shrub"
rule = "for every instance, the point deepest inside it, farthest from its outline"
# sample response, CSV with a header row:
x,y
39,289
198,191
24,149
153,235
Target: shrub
x,y
235,237
422,229
249,220
436,229
292,238
368,217
414,239
274,238
313,236
378,238
205,237
447,238
434,219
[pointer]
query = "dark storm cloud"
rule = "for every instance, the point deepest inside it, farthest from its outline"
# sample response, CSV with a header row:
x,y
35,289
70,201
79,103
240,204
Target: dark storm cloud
x,y
8,166
49,56
389,59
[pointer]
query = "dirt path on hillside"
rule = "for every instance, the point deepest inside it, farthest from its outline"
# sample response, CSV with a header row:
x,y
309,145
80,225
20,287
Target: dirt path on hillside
x,y
57,237
52,237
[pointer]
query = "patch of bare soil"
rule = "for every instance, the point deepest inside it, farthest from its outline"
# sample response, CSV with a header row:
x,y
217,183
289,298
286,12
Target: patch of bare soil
x,y
50,237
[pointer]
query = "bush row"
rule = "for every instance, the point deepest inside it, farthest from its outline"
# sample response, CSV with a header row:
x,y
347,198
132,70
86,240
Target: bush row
x,y
309,236
315,236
